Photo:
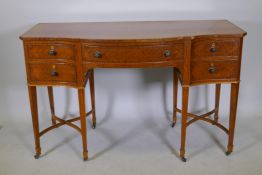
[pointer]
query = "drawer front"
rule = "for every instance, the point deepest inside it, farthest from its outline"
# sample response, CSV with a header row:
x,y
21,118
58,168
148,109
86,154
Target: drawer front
x,y
51,51
45,72
214,70
125,54
219,48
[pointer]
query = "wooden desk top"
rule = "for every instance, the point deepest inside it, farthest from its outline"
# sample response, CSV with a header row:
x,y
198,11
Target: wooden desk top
x,y
132,30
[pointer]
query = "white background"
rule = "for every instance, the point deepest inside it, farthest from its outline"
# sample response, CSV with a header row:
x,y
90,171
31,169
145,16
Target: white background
x,y
125,93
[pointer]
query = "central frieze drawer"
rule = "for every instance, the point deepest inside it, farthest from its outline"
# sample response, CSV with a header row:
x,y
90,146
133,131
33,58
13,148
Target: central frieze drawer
x,y
123,54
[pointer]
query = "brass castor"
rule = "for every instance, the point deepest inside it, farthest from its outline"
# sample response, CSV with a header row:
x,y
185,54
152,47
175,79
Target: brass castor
x,y
183,159
228,153
85,156
173,124
37,156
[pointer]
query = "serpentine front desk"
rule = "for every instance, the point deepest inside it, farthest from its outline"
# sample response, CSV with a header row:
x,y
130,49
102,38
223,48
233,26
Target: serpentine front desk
x,y
200,52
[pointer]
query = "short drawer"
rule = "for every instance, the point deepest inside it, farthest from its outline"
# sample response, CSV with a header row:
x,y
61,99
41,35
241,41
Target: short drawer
x,y
202,71
46,72
124,54
51,51
216,48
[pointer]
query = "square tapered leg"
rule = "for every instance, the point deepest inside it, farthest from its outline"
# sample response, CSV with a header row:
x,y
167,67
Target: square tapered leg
x,y
232,116
185,95
175,89
92,94
81,98
34,112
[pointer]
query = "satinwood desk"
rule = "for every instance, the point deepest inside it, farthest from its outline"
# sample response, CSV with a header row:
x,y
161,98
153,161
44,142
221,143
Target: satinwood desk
x,y
200,52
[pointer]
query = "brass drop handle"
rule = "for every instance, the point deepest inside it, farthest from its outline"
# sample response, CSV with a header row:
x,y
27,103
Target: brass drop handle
x,y
52,51
213,48
212,69
167,53
54,72
98,54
